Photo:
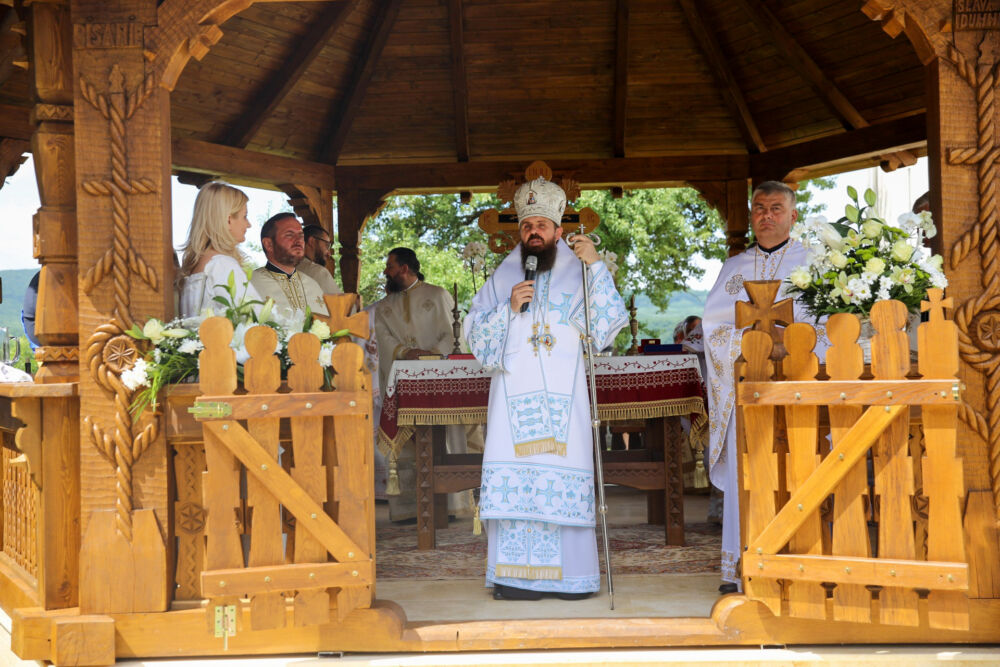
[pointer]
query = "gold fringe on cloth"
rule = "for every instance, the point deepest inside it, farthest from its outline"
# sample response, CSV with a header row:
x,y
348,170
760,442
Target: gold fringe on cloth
x,y
672,407
529,571
441,416
543,446
477,524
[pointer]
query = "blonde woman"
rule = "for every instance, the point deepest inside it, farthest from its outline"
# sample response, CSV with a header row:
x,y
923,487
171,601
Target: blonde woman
x,y
218,225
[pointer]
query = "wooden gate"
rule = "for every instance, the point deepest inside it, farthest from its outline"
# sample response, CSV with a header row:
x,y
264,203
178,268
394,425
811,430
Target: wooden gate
x,y
307,521
819,542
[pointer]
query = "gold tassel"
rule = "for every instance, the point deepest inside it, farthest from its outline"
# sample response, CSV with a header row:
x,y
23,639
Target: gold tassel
x,y
477,525
392,484
700,476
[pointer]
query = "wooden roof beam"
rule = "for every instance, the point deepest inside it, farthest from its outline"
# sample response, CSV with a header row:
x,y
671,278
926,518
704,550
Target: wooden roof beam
x,y
342,116
459,83
717,62
633,172
276,88
792,52
238,164
621,75
903,134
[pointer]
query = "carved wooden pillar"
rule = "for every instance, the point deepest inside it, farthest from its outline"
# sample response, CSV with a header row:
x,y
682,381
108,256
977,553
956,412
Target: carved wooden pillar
x,y
125,275
55,237
729,198
962,116
354,207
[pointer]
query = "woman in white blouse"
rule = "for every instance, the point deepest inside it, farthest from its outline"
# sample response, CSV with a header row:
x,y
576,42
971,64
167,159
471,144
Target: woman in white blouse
x,y
218,225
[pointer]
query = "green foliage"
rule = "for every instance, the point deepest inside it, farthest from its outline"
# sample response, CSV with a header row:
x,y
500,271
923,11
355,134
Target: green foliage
x,y
437,228
804,195
656,235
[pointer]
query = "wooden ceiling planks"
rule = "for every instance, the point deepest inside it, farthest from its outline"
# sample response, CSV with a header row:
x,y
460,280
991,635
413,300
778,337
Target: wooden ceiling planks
x,y
540,80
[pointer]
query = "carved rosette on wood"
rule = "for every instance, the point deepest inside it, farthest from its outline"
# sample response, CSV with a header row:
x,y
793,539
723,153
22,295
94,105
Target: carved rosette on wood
x,y
978,319
110,351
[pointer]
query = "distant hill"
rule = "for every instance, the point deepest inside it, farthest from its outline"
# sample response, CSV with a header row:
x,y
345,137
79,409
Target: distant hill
x,y
14,283
662,323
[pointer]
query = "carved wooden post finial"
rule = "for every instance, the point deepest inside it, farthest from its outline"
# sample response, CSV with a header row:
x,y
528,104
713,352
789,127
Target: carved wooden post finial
x,y
762,312
339,306
936,303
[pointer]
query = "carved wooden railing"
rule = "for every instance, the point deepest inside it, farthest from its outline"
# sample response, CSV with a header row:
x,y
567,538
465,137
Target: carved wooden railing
x,y
18,504
297,539
859,561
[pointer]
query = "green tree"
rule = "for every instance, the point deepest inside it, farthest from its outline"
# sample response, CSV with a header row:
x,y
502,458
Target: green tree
x,y
804,195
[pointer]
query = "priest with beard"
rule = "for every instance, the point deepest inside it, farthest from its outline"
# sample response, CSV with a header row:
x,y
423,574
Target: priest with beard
x,y
292,291
414,320
537,494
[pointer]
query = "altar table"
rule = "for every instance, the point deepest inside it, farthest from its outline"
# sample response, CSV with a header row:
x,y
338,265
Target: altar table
x,y
655,389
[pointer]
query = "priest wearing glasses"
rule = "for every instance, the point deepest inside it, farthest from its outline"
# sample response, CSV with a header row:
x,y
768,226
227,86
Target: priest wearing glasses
x,y
772,257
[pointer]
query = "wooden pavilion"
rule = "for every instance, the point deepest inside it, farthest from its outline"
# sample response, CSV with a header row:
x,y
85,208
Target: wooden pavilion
x,y
360,99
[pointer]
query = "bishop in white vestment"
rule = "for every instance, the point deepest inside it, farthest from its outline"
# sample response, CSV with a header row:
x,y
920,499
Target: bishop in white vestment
x,y
537,494
773,257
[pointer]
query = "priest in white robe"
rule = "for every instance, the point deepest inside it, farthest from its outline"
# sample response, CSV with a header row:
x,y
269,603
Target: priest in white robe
x,y
772,257
292,291
414,320
537,494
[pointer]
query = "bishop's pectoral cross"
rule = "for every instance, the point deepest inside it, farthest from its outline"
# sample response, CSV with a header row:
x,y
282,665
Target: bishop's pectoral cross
x,y
546,339
762,312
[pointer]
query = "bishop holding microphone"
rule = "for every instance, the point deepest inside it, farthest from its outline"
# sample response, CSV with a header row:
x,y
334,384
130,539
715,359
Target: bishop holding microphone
x,y
525,327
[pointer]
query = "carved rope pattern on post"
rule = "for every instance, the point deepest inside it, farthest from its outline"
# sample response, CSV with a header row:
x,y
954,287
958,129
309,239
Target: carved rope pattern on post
x,y
109,350
982,236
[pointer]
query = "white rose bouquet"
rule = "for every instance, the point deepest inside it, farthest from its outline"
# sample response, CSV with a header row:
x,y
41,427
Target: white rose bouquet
x,y
861,259
173,347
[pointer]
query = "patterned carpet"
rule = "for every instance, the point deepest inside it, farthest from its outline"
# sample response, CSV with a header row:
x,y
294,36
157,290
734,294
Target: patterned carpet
x,y
637,549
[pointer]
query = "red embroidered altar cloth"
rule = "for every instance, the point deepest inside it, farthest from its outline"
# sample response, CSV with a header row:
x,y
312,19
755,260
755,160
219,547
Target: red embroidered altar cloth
x,y
456,391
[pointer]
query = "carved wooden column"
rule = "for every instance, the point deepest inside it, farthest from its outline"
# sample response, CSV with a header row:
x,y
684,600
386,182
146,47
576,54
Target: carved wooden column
x,y
962,116
125,275
354,207
55,237
730,199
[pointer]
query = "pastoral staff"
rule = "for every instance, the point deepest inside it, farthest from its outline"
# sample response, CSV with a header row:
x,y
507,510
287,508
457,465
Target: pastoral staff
x,y
284,245
537,494
772,257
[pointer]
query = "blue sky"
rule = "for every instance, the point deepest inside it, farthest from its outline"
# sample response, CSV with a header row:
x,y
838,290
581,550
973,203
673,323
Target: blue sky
x,y
19,201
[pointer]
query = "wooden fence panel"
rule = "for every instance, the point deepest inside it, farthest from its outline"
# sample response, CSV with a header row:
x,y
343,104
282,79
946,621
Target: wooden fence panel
x,y
893,465
806,599
262,375
760,465
312,606
845,361
942,469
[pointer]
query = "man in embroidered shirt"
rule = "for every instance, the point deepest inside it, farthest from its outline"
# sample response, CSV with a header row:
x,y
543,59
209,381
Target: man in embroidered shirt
x,y
317,254
413,320
537,494
772,257
283,242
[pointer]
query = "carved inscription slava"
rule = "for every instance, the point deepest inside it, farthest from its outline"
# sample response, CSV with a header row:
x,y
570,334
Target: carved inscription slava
x,y
110,351
978,319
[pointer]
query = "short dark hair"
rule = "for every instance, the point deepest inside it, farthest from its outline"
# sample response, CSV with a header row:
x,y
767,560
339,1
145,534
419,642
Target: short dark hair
x,y
774,188
267,231
314,231
409,258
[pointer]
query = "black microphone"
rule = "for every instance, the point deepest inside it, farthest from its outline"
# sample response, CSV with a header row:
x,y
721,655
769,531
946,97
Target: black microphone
x,y
530,266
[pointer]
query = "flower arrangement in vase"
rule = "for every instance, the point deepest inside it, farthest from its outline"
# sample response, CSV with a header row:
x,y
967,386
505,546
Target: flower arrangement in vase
x,y
173,347
861,259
